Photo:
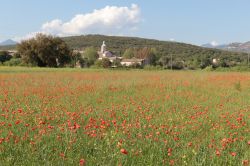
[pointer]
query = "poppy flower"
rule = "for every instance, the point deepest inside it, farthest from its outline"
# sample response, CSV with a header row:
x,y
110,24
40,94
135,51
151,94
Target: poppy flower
x,y
82,162
124,151
233,154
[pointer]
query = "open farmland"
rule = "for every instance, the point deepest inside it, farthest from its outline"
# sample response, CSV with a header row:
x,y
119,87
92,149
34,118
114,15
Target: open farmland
x,y
105,117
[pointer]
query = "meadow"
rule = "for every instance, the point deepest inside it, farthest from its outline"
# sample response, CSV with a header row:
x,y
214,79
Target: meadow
x,y
134,117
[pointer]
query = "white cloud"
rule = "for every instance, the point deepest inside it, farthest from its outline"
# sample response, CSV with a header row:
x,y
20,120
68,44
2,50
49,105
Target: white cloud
x,y
214,43
109,20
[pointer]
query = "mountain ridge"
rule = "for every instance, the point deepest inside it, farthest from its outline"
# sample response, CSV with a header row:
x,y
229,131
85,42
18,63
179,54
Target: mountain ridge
x,y
235,47
8,42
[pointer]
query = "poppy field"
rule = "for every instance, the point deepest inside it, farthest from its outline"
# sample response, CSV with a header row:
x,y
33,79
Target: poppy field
x,y
134,117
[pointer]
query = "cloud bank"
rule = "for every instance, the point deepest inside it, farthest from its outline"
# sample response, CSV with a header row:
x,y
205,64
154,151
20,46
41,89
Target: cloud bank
x,y
109,20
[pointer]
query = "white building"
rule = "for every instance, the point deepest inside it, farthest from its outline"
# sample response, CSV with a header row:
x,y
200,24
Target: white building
x,y
133,61
104,53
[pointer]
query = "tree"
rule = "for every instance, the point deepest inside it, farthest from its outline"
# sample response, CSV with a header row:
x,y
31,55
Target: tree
x,y
149,54
164,61
44,51
129,53
75,58
4,56
91,55
104,63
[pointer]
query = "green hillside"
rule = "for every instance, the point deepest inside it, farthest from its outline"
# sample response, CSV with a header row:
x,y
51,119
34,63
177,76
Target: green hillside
x,y
164,48
180,51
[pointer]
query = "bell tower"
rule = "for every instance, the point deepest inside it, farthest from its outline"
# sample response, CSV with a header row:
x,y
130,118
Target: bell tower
x,y
103,48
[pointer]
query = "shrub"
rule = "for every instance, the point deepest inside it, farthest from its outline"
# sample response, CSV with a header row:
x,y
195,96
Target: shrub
x,y
4,56
150,67
14,62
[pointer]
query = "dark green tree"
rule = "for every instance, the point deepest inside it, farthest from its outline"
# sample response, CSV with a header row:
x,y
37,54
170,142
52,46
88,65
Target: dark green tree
x,y
44,50
4,56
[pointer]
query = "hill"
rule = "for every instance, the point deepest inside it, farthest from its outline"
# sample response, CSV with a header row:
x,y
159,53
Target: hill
x,y
118,45
165,48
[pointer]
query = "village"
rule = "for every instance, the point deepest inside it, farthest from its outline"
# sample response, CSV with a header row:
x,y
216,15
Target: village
x,y
80,61
104,53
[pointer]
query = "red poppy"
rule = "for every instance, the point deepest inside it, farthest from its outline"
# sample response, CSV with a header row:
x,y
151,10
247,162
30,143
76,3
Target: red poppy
x,y
233,154
82,162
124,151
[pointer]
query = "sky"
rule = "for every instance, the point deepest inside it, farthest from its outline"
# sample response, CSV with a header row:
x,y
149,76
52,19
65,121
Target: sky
x,y
190,21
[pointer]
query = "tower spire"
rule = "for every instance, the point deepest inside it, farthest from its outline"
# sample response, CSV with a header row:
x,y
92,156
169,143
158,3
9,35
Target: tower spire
x,y
103,48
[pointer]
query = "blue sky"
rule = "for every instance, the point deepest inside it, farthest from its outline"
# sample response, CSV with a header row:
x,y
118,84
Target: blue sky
x,y
190,21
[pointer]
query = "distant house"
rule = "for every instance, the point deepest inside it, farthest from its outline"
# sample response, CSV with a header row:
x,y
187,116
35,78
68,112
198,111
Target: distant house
x,y
132,61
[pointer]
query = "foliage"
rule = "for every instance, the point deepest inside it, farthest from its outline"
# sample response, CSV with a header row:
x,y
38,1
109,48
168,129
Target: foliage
x,y
151,67
126,47
104,63
14,62
4,56
194,57
176,65
44,50
90,54
116,63
129,53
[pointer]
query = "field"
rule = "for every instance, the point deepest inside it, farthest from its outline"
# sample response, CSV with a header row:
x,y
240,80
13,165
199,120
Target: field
x,y
134,117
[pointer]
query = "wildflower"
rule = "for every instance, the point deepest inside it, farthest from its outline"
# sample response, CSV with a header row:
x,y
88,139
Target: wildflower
x,y
233,154
245,162
171,162
17,122
20,110
170,151
1,140
50,127
62,155
82,162
190,144
217,153
124,151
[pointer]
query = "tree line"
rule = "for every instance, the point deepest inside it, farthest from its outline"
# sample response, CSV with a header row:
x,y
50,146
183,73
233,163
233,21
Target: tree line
x,y
48,51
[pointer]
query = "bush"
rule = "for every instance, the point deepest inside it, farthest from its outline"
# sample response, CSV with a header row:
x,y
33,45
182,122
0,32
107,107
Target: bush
x,y
177,65
4,56
104,63
14,62
209,68
150,67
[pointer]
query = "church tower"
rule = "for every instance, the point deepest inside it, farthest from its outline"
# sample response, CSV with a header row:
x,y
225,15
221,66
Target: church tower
x,y
103,48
